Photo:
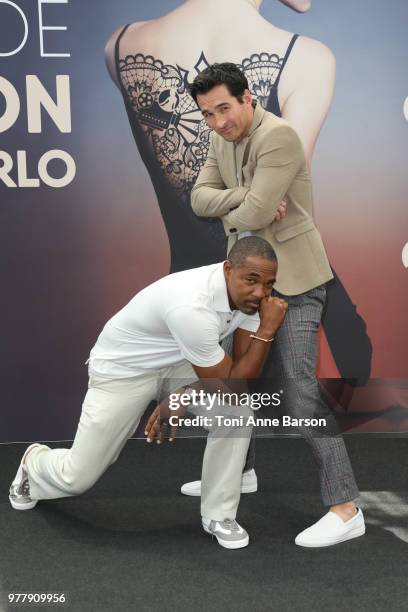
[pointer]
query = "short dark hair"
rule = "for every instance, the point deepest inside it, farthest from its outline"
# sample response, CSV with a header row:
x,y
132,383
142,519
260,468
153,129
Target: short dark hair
x,y
251,246
220,74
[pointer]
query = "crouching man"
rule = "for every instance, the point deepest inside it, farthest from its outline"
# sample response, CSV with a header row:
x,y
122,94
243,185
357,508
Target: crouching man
x,y
170,331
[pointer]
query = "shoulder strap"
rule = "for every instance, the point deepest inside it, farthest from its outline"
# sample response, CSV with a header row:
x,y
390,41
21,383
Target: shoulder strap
x,y
285,59
117,43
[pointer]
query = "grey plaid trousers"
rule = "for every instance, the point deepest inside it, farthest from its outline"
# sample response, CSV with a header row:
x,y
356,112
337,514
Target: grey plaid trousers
x,y
292,362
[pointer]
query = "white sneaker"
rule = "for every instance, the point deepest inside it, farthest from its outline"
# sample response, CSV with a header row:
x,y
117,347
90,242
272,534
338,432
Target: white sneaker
x,y
19,494
249,484
228,532
331,529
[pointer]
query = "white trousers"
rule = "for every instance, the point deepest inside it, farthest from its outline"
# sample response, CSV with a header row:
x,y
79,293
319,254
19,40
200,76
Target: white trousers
x,y
111,412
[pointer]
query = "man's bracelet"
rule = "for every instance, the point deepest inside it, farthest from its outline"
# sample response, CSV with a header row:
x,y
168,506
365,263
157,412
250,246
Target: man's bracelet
x,y
263,339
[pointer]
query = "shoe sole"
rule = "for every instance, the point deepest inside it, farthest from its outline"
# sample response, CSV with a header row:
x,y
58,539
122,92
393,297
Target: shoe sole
x,y
28,450
355,533
226,544
27,506
244,489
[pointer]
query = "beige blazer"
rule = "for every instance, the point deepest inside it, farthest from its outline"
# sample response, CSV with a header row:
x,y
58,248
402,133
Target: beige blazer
x,y
243,184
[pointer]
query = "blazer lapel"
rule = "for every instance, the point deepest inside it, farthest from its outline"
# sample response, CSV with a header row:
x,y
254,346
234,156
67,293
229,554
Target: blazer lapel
x,y
241,148
233,157
239,159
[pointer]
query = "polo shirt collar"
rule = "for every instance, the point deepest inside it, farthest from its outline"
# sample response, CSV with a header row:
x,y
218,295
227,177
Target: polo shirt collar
x,y
219,290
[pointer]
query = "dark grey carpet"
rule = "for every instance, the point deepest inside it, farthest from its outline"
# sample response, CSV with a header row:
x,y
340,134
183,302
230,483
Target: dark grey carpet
x,y
134,543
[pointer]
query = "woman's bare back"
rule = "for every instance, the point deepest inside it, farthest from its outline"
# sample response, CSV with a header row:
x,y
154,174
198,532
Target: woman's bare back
x,y
155,61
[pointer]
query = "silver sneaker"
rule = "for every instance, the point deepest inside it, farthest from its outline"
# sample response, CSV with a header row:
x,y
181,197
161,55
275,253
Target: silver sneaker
x,y
19,494
228,532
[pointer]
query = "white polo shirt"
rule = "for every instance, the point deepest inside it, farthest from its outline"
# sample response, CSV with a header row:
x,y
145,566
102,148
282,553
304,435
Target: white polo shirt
x,y
183,316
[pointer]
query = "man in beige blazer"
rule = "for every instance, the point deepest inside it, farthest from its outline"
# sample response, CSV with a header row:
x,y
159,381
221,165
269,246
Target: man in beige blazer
x,y
255,161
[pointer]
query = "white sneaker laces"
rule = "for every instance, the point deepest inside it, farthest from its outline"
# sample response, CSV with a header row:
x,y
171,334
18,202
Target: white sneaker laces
x,y
230,524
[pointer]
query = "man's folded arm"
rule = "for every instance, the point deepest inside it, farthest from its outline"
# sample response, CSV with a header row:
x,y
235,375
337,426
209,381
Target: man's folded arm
x,y
198,340
278,164
247,362
209,196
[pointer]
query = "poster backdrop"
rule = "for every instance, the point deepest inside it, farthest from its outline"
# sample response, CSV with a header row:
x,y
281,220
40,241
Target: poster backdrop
x,y
81,226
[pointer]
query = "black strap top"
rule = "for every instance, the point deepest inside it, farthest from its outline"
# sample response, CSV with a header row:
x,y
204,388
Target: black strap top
x,y
173,140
